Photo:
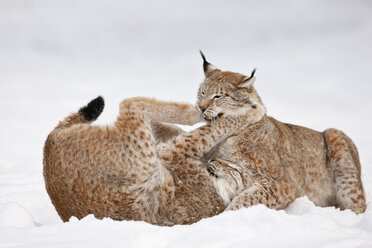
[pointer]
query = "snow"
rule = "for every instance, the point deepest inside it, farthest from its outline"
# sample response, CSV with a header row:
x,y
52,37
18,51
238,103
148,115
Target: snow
x,y
257,226
12,214
313,60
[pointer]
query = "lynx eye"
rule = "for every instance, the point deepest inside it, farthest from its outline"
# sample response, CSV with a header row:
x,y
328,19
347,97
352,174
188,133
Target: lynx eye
x,y
202,93
217,96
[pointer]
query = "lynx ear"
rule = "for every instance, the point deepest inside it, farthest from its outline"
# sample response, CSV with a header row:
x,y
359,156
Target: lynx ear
x,y
248,82
208,67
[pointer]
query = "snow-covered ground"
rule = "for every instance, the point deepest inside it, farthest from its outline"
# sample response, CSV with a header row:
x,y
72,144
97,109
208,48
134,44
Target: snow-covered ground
x,y
314,61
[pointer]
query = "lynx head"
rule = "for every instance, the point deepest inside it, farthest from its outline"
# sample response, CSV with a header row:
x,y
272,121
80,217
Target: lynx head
x,y
227,93
228,178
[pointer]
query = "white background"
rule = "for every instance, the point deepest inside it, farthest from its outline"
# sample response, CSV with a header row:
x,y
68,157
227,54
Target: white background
x,y
314,68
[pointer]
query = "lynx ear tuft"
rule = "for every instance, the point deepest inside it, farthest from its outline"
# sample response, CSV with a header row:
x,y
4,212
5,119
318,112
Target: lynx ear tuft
x,y
207,67
253,72
248,82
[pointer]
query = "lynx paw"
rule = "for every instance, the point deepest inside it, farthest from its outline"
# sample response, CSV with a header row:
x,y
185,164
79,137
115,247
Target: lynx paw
x,y
193,116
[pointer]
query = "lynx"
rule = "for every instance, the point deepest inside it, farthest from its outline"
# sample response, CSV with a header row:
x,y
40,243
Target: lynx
x,y
140,168
271,162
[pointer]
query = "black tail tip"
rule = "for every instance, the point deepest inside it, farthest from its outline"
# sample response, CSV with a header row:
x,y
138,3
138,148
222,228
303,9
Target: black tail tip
x,y
93,109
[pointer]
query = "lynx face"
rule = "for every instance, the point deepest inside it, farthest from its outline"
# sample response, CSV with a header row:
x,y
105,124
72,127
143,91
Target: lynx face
x,y
229,178
226,93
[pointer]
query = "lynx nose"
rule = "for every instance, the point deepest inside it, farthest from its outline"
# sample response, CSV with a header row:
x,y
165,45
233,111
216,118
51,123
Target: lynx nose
x,y
203,107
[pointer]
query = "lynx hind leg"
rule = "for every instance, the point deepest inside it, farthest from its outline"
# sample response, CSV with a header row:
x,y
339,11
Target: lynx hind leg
x,y
139,141
139,120
343,158
163,111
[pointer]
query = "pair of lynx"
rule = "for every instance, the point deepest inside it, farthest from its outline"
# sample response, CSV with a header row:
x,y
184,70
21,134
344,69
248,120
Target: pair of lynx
x,y
143,168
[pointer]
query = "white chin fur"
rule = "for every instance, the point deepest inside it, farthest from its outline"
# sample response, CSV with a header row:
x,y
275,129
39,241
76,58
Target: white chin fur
x,y
224,189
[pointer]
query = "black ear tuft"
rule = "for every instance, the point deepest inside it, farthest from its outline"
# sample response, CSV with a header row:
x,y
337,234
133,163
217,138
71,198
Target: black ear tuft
x,y
205,62
253,72
203,57
93,109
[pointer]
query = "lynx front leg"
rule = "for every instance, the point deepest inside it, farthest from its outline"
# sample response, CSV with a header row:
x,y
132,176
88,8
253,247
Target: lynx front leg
x,y
271,194
196,143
